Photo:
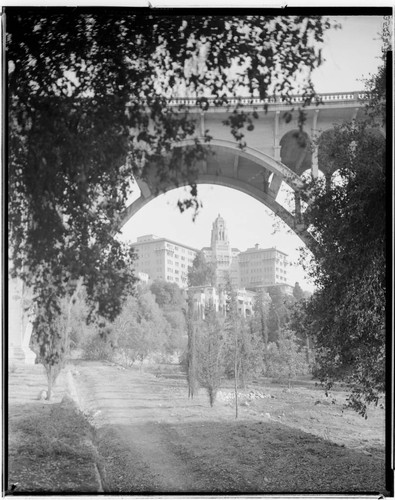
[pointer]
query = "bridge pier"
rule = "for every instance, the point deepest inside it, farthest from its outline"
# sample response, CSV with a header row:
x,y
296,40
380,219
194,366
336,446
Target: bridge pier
x,y
315,134
19,326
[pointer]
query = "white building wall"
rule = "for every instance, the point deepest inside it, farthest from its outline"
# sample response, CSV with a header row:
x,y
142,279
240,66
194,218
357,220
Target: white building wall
x,y
164,259
262,267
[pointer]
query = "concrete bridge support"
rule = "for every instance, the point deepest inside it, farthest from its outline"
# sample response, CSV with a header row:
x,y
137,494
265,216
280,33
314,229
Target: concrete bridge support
x,y
19,326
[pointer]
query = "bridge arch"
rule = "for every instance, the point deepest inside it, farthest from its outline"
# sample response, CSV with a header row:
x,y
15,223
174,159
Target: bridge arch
x,y
248,170
277,156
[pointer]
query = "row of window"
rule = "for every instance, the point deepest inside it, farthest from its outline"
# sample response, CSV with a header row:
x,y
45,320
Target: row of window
x,y
169,261
148,261
257,256
181,249
149,249
176,279
260,270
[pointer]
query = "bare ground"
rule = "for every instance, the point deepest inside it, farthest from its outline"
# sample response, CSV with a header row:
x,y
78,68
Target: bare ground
x,y
153,439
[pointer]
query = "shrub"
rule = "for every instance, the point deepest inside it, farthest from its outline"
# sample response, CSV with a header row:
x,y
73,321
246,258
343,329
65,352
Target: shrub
x,y
98,348
285,359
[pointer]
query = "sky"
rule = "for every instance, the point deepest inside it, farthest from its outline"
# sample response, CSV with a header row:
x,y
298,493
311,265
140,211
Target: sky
x,y
351,54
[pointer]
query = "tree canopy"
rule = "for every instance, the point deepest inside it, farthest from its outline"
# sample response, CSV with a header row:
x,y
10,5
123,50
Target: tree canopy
x,y
346,315
201,273
168,295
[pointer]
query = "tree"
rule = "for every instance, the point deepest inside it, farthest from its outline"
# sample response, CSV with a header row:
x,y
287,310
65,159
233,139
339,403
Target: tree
x,y
140,328
233,328
279,312
168,295
88,110
80,330
298,292
201,273
210,353
53,346
285,359
260,315
300,324
346,315
191,355
170,299
259,330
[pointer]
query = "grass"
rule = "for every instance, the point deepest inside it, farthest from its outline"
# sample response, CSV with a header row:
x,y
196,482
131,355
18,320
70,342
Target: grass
x,y
51,449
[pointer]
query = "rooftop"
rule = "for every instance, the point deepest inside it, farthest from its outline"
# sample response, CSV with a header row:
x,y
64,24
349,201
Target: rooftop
x,y
258,249
150,238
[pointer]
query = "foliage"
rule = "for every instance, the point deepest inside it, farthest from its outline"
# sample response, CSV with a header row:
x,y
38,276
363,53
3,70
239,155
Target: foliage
x,y
346,316
376,85
279,312
168,295
80,328
210,353
170,299
140,329
285,359
300,324
191,355
298,292
97,348
251,353
51,339
201,273
233,325
245,347
259,318
176,331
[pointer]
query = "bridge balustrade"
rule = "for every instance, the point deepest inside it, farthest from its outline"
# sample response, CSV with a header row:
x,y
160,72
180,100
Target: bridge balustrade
x,y
296,99
256,101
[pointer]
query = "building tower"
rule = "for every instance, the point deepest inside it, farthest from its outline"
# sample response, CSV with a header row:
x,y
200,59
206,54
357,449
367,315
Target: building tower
x,y
221,252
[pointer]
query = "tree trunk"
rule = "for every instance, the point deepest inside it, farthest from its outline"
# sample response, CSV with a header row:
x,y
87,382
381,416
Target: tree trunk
x,y
308,350
50,382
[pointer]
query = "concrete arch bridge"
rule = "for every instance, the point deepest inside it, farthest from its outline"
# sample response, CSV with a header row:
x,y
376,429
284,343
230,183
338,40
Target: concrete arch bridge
x,y
274,153
273,156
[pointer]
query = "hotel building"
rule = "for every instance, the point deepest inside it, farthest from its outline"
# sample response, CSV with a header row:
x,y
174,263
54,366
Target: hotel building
x,y
163,259
262,268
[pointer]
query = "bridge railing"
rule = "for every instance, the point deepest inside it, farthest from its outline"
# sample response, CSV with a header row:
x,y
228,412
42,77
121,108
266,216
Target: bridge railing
x,y
254,101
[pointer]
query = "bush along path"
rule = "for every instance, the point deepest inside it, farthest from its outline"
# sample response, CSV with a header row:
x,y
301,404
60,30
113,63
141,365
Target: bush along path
x,y
50,444
153,439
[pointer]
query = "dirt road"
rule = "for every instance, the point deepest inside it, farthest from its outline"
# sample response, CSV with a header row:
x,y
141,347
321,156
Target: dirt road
x,y
153,439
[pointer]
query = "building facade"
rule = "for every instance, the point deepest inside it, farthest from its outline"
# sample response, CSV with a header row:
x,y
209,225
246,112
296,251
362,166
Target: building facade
x,y
261,268
163,259
254,269
210,296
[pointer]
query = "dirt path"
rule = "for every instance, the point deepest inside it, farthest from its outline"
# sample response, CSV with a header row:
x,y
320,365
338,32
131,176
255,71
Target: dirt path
x,y
134,413
153,439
